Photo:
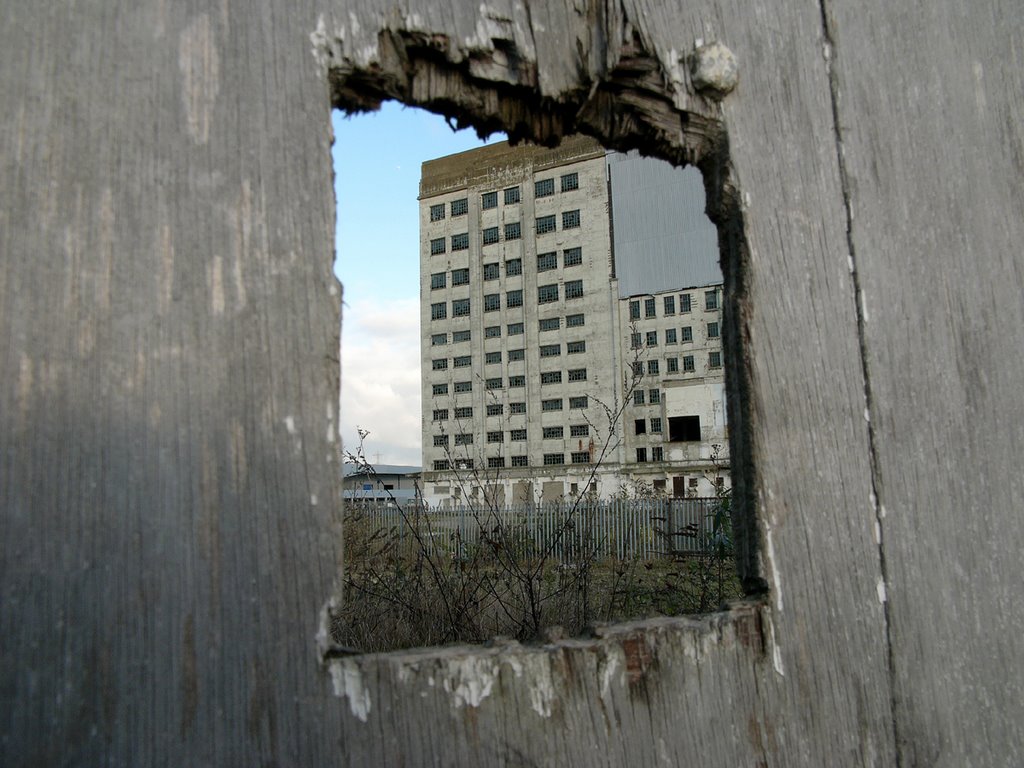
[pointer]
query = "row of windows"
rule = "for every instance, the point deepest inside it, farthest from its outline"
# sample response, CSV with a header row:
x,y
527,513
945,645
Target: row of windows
x,y
657,454
492,301
669,305
489,200
547,377
466,412
514,435
545,224
672,364
640,425
685,334
652,396
514,355
498,462
512,329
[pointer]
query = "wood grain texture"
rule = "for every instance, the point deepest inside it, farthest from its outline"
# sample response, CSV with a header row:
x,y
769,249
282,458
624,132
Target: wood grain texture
x,y
932,112
168,351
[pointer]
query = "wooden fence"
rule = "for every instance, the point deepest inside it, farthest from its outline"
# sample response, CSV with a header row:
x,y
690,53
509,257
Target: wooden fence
x,y
625,529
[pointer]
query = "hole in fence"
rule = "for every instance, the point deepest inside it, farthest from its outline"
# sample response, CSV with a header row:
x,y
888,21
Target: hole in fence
x,y
534,398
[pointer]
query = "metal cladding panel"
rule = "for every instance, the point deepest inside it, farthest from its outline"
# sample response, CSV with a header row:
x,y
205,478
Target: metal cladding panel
x,y
663,239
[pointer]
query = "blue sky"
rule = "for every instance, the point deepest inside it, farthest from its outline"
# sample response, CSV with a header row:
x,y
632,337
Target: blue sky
x,y
377,160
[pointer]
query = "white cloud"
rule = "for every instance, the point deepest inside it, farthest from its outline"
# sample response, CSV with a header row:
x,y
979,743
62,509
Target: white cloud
x,y
380,379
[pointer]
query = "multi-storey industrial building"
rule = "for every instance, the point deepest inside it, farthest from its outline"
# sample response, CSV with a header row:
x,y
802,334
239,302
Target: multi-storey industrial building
x,y
570,324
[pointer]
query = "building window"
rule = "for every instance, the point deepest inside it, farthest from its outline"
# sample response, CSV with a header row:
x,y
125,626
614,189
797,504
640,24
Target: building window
x,y
513,231
546,261
580,402
511,195
440,389
570,219
551,405
670,305
649,308
464,412
554,459
492,332
517,435
513,267
458,336
460,277
517,407
580,457
436,246
544,188
545,224
673,364
460,207
658,454
573,321
463,386
492,357
516,354
495,462
687,333
575,347
438,339
656,425
634,310
573,289
640,427
460,308
635,341
550,350
438,280
641,455
462,361
652,367
570,181
551,377
670,335
638,368
652,338
495,437
550,323
711,300
715,359
638,397
547,293
440,441
438,311
514,298
441,465
654,396
464,438
441,365
515,329
440,414
492,302
517,381
684,302
579,430
552,433
494,383
495,409
712,330
489,235
492,271
684,429
577,374
460,242
572,257
489,200
519,461
437,212
688,364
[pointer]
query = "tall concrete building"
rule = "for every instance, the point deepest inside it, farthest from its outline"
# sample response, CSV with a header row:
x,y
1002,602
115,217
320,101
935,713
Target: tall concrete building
x,y
569,324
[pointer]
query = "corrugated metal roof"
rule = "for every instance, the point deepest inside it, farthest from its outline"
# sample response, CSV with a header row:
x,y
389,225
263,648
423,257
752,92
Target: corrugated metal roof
x,y
663,239
348,470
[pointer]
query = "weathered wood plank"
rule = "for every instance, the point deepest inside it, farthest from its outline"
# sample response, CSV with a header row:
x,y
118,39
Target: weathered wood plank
x,y
932,109
169,330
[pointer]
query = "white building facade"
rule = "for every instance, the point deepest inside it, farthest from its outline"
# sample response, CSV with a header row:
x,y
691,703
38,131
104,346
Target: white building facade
x,y
534,386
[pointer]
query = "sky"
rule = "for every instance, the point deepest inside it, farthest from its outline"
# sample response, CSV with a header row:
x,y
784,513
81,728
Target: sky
x,y
377,160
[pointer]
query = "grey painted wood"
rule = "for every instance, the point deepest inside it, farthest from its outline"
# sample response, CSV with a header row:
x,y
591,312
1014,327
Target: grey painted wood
x,y
168,345
932,111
